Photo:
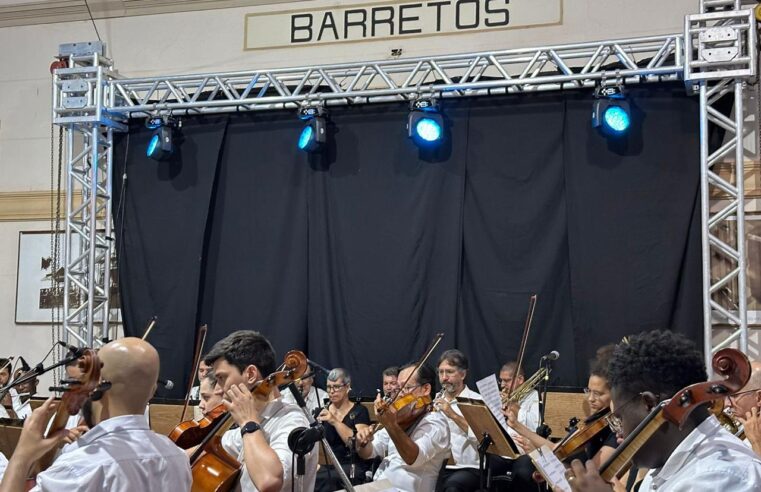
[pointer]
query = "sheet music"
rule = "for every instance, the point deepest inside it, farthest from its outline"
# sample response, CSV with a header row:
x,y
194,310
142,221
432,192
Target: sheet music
x,y
551,468
489,391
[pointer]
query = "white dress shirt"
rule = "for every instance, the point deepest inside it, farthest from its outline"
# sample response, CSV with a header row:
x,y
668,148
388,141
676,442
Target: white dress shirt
x,y
528,414
711,459
464,445
22,409
431,435
314,398
120,454
278,419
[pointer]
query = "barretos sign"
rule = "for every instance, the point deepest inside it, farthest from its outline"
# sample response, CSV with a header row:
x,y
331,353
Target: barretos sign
x,y
392,20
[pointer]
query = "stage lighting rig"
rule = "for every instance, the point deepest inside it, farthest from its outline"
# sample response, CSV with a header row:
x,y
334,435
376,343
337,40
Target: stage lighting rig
x,y
161,144
611,112
314,134
425,124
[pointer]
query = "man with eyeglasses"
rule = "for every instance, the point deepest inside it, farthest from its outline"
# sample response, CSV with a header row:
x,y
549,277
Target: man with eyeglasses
x,y
644,370
313,396
412,457
745,407
462,475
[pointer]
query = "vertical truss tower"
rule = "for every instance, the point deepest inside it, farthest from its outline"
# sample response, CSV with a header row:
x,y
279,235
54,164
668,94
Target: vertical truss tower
x,y
79,105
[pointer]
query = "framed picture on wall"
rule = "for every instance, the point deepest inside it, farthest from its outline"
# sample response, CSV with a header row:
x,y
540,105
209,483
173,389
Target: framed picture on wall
x,y
39,289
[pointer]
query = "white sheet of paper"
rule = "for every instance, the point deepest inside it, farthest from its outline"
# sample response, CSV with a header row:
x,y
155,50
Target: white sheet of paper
x,y
492,397
551,468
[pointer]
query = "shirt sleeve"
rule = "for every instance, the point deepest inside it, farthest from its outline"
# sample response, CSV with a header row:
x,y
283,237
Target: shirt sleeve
x,y
723,478
380,444
71,479
432,438
278,441
361,415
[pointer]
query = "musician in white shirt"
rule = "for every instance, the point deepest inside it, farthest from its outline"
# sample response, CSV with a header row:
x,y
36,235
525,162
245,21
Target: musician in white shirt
x,y
260,442
413,457
745,407
528,413
119,454
701,456
313,396
463,474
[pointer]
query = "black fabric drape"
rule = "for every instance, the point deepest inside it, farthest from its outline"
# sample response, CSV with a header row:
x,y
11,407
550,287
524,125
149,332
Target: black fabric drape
x,y
360,256
384,243
160,215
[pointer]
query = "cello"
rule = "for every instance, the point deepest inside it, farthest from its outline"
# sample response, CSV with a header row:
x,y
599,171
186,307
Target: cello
x,y
213,468
732,364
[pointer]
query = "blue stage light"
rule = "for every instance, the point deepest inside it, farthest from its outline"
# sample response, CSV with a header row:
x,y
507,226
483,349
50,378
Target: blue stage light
x,y
153,145
428,129
307,134
616,119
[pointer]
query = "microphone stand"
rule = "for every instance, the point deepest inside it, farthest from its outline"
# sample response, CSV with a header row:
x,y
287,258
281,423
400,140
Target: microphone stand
x,y
37,370
543,429
328,450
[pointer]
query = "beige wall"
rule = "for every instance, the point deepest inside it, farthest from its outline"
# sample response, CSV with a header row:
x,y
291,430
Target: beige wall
x,y
212,41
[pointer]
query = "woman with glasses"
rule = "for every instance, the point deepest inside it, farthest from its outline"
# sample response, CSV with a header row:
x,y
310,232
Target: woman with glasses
x,y
601,446
343,419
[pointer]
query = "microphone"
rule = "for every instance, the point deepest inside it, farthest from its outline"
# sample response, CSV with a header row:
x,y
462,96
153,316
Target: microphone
x,y
554,355
301,440
318,366
75,351
24,366
168,384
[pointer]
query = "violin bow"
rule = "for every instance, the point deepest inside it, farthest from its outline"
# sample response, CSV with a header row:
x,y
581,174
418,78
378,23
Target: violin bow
x,y
420,362
151,324
524,341
200,341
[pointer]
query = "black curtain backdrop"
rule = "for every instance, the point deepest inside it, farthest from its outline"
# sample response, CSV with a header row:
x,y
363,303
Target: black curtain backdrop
x,y
361,255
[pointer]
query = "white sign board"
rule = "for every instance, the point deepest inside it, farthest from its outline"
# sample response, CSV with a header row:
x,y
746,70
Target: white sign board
x,y
391,20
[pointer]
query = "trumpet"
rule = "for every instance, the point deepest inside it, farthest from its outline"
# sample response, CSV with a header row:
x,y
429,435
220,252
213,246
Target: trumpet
x,y
727,420
521,392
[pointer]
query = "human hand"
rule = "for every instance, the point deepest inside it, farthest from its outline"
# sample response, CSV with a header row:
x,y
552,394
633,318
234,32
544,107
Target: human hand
x,y
242,405
586,478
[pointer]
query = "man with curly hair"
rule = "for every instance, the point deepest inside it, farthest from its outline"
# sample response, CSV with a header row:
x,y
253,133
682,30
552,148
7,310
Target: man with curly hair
x,y
701,456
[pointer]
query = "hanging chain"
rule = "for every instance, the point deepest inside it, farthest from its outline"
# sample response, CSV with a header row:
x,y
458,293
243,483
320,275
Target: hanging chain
x,y
55,245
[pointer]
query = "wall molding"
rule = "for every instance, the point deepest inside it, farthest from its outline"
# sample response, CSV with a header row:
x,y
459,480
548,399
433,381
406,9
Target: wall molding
x,y
27,13
24,206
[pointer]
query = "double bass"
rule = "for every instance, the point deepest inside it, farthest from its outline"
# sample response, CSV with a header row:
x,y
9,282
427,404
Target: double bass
x,y
213,468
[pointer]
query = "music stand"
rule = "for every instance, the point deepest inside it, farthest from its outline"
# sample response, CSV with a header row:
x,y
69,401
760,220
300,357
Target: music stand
x,y
492,438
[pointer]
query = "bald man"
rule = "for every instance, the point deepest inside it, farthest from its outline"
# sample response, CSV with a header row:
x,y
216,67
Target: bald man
x,y
119,454
746,407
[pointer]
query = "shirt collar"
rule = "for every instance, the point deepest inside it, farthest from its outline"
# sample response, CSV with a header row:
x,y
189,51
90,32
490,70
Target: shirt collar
x,y
114,424
686,449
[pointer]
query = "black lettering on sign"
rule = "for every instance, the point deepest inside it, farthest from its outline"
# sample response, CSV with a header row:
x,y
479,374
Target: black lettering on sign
x,y
301,27
403,19
328,22
503,14
377,19
437,6
351,23
461,9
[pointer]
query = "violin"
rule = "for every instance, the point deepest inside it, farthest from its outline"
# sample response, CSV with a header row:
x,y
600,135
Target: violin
x,y
410,409
213,468
586,431
732,364
75,393
191,432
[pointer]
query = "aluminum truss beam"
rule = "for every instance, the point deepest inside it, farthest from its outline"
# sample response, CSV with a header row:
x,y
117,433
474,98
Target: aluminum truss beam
x,y
724,60
518,70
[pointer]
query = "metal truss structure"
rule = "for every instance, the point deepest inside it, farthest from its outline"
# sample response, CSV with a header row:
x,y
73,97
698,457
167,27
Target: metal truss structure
x,y
715,54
